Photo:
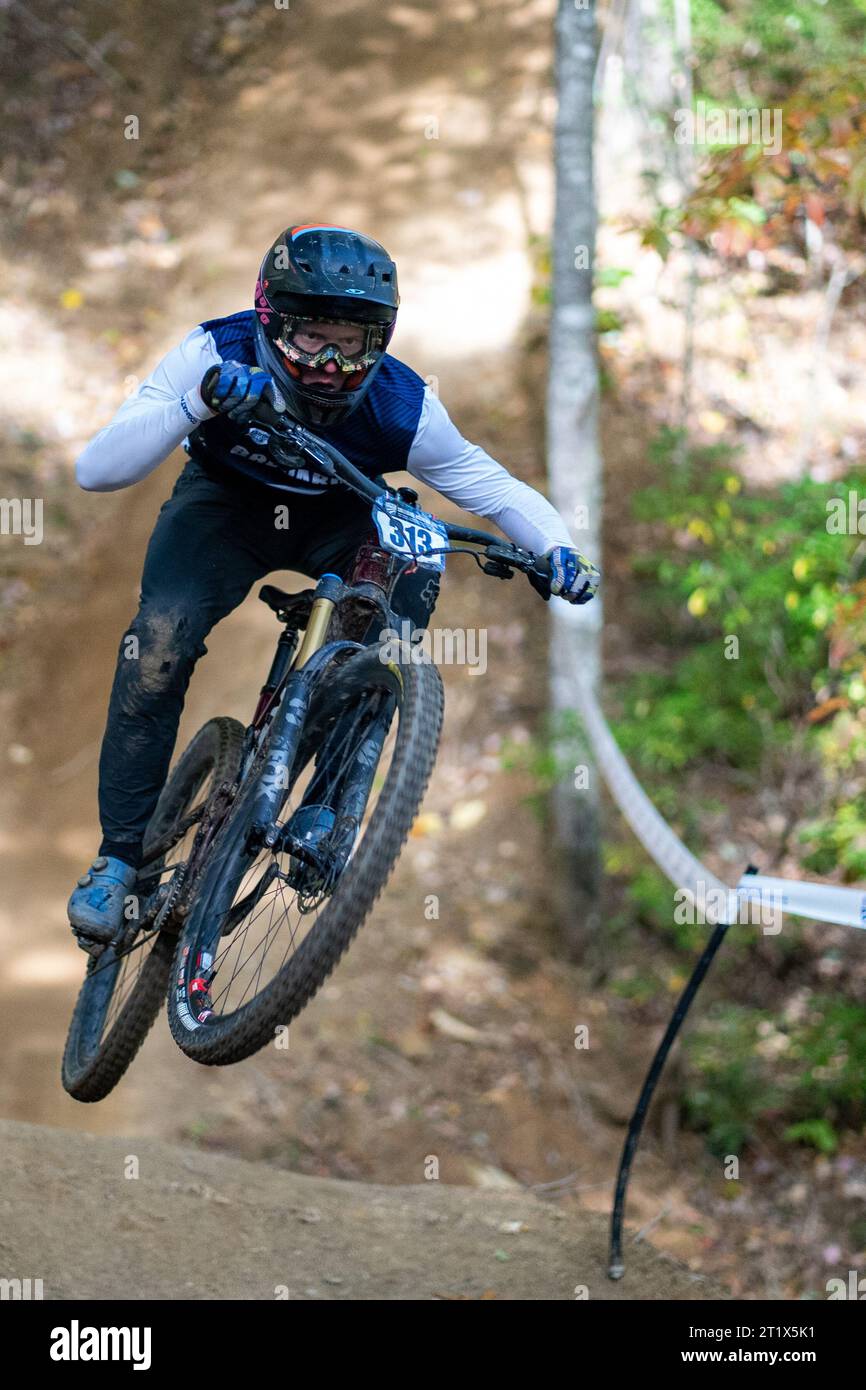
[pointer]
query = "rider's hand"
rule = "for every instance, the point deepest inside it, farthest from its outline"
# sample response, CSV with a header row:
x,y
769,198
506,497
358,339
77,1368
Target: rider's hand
x,y
239,391
572,576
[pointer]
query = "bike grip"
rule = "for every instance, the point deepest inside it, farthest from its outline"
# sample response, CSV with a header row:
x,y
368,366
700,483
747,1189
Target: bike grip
x,y
206,385
266,413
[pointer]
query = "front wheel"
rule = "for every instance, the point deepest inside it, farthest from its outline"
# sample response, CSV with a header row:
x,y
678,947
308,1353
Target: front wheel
x,y
124,988
270,921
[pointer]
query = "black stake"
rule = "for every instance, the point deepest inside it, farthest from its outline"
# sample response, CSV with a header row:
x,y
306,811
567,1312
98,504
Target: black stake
x,y
616,1268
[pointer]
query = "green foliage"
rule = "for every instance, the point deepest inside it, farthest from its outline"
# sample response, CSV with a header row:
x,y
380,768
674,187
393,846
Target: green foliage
x,y
744,588
818,1133
607,321
541,261
745,1068
650,892
611,277
716,561
762,613
639,987
765,45
536,756
838,841
727,1091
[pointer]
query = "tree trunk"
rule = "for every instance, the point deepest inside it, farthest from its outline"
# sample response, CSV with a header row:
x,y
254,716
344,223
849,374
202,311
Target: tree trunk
x,y
574,461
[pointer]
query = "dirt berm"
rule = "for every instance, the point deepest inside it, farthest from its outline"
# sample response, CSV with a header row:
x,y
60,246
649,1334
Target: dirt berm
x,y
198,1225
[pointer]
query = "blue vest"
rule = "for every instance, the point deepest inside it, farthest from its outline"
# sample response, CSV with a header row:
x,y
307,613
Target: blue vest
x,y
376,437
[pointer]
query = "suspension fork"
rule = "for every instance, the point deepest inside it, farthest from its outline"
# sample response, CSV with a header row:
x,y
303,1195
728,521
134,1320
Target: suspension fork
x,y
291,655
356,792
328,590
284,739
274,781
371,581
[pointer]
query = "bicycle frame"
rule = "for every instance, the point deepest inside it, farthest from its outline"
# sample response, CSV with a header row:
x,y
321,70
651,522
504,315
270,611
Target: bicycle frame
x,y
372,583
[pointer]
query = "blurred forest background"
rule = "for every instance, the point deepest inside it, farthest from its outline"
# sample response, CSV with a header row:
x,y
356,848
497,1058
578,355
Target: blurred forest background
x,y
730,291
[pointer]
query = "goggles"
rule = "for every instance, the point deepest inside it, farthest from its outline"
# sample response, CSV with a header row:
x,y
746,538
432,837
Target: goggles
x,y
305,342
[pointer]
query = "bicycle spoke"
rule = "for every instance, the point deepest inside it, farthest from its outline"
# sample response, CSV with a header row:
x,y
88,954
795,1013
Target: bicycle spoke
x,y
169,852
260,908
125,983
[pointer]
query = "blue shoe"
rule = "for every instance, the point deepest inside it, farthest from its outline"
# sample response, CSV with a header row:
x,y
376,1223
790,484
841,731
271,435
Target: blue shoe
x,y
96,906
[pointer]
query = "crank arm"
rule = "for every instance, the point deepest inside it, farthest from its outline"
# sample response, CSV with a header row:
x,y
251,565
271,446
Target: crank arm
x,y
175,835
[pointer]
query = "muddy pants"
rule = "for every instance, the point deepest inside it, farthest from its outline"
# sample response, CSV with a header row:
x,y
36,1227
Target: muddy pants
x,y
212,541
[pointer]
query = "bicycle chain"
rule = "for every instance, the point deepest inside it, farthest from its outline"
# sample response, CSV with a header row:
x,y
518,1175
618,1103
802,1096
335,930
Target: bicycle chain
x,y
172,897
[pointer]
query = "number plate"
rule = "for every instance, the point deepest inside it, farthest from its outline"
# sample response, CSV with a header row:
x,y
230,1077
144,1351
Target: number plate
x,y
407,531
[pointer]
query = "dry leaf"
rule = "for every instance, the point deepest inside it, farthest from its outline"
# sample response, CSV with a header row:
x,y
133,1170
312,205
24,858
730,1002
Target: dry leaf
x,y
455,1027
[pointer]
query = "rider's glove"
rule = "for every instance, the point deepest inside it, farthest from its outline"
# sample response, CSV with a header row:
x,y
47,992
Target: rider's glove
x,y
239,391
572,575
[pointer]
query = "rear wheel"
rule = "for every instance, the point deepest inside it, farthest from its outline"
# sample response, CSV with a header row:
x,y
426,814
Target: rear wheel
x,y
269,923
125,986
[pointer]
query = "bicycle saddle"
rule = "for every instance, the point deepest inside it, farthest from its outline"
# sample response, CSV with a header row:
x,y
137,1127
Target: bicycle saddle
x,y
289,608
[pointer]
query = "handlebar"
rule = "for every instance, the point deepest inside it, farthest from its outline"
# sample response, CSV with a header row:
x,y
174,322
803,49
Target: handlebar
x,y
501,556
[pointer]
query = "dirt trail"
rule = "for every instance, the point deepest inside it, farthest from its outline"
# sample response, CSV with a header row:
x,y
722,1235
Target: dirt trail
x,y
375,1079
295,1237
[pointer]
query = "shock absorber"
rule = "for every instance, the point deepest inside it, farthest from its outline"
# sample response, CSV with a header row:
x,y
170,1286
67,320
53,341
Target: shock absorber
x,y
371,582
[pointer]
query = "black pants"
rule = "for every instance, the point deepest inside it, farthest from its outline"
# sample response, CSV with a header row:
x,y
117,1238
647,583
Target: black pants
x,y
213,540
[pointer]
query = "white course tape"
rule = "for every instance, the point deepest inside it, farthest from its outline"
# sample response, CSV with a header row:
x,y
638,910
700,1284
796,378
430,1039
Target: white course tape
x,y
717,901
823,902
653,831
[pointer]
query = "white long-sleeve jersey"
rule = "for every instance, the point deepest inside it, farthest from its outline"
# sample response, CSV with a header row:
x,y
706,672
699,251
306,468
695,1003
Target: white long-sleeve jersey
x,y
167,408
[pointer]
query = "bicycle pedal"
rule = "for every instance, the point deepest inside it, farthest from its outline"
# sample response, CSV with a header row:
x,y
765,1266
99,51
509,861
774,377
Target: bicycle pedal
x,y
153,903
92,948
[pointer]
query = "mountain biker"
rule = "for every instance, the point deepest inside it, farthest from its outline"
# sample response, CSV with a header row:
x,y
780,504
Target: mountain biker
x,y
315,344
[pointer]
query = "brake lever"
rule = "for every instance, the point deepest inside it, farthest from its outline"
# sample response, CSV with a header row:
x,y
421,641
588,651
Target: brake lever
x,y
498,569
321,458
289,441
513,556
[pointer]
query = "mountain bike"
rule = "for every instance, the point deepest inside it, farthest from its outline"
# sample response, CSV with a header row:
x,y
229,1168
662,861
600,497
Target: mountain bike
x,y
270,844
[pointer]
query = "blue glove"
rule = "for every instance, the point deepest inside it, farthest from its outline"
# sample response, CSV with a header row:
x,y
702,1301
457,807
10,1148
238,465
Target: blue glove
x,y
572,576
236,390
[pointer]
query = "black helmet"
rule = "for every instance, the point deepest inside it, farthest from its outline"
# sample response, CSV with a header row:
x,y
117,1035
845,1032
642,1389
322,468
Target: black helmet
x,y
333,275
